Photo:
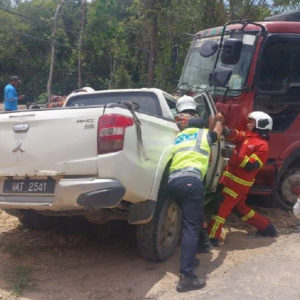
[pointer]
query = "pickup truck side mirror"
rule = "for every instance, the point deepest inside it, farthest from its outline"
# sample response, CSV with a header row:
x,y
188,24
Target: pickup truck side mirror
x,y
220,76
231,51
208,49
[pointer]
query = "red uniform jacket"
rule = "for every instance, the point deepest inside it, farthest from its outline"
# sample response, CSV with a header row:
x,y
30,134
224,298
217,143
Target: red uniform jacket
x,y
250,154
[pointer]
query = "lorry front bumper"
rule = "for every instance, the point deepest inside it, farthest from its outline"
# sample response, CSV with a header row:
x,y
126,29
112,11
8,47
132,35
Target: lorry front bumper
x,y
75,193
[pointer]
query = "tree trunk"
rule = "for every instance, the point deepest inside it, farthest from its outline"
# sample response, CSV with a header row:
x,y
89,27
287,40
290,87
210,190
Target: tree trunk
x,y
153,44
49,84
231,10
113,67
83,2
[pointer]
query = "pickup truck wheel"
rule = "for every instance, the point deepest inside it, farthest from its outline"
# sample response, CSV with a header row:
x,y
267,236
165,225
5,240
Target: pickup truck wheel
x,y
158,239
288,189
34,220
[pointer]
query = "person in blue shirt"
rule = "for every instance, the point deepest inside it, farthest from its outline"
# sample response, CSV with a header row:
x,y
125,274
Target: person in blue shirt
x,y
10,94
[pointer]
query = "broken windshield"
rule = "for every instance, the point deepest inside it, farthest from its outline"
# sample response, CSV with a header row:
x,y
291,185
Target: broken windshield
x,y
197,69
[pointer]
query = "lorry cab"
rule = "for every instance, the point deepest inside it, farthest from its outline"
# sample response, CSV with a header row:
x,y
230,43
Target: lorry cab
x,y
248,66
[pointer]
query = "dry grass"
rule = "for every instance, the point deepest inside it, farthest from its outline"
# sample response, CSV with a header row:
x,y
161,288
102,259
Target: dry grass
x,y
19,279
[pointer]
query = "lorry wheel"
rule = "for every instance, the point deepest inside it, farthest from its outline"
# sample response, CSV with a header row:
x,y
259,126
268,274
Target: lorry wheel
x,y
158,239
34,220
288,189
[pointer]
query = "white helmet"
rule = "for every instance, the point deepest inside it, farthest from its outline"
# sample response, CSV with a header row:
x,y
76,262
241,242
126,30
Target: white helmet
x,y
185,102
262,120
84,89
88,89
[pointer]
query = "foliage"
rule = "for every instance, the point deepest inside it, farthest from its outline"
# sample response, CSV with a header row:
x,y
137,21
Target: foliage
x,y
122,79
19,279
119,39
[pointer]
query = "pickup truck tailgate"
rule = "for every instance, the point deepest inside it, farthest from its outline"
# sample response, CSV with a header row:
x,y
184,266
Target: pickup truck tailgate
x,y
49,142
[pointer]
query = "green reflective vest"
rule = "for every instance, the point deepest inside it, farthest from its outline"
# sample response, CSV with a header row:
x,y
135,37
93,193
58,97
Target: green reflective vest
x,y
190,154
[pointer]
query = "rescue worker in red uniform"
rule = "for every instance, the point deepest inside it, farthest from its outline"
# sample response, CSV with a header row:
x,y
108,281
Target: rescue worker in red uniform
x,y
186,108
249,155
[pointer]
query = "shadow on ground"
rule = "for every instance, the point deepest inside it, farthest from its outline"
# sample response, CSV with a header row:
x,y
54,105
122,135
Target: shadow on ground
x,y
235,241
82,261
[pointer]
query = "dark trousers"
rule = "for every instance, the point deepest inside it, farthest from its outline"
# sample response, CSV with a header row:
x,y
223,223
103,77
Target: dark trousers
x,y
188,192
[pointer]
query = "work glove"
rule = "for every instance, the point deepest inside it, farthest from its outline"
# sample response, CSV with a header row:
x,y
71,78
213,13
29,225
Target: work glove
x,y
227,152
296,209
226,131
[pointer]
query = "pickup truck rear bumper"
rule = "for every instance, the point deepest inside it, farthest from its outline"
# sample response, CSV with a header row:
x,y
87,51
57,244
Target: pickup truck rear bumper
x,y
75,193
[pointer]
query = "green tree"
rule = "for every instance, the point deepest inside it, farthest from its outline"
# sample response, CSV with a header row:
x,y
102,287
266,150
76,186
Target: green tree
x,y
121,79
124,43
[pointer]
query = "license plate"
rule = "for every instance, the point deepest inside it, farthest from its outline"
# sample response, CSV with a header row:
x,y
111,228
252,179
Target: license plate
x,y
29,186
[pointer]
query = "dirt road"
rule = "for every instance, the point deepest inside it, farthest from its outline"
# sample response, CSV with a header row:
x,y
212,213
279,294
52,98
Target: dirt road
x,y
76,263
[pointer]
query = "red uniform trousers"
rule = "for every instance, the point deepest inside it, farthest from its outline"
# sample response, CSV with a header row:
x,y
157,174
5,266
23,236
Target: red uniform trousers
x,y
233,199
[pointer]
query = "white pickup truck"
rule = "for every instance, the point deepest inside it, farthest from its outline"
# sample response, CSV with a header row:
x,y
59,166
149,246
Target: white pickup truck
x,y
102,158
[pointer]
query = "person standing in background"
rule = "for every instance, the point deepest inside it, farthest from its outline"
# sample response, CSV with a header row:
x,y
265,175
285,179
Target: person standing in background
x,y
10,94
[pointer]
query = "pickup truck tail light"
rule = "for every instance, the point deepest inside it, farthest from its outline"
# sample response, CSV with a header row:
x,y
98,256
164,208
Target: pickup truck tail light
x,y
111,132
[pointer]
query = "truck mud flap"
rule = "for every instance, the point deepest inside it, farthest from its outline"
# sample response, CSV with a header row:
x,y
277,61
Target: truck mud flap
x,y
142,212
104,198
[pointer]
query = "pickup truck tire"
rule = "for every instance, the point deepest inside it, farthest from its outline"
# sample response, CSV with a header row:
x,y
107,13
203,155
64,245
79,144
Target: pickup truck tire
x,y
158,239
34,220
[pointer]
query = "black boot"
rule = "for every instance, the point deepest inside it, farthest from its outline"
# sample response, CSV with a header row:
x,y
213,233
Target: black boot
x,y
215,242
204,244
270,231
186,284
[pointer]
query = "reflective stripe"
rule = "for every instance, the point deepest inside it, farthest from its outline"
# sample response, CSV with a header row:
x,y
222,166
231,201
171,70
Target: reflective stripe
x,y
230,192
236,135
218,221
198,143
237,179
214,229
199,150
217,218
258,159
243,164
179,172
248,216
199,138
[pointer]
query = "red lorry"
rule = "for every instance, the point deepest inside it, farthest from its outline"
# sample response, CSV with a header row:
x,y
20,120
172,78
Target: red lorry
x,y
249,66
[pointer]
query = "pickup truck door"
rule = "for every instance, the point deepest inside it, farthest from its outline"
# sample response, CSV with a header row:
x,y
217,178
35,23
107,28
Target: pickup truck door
x,y
206,108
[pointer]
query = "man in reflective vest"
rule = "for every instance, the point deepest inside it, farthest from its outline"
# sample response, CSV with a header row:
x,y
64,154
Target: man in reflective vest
x,y
247,158
186,107
189,166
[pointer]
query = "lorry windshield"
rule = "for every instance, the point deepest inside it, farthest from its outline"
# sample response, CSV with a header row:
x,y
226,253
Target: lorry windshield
x,y
196,71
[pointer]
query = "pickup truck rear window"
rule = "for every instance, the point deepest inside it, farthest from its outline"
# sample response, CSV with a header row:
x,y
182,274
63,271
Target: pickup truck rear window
x,y
148,102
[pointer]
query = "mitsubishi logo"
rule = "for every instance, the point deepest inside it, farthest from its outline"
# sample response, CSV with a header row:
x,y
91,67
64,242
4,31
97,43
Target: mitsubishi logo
x,y
19,147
